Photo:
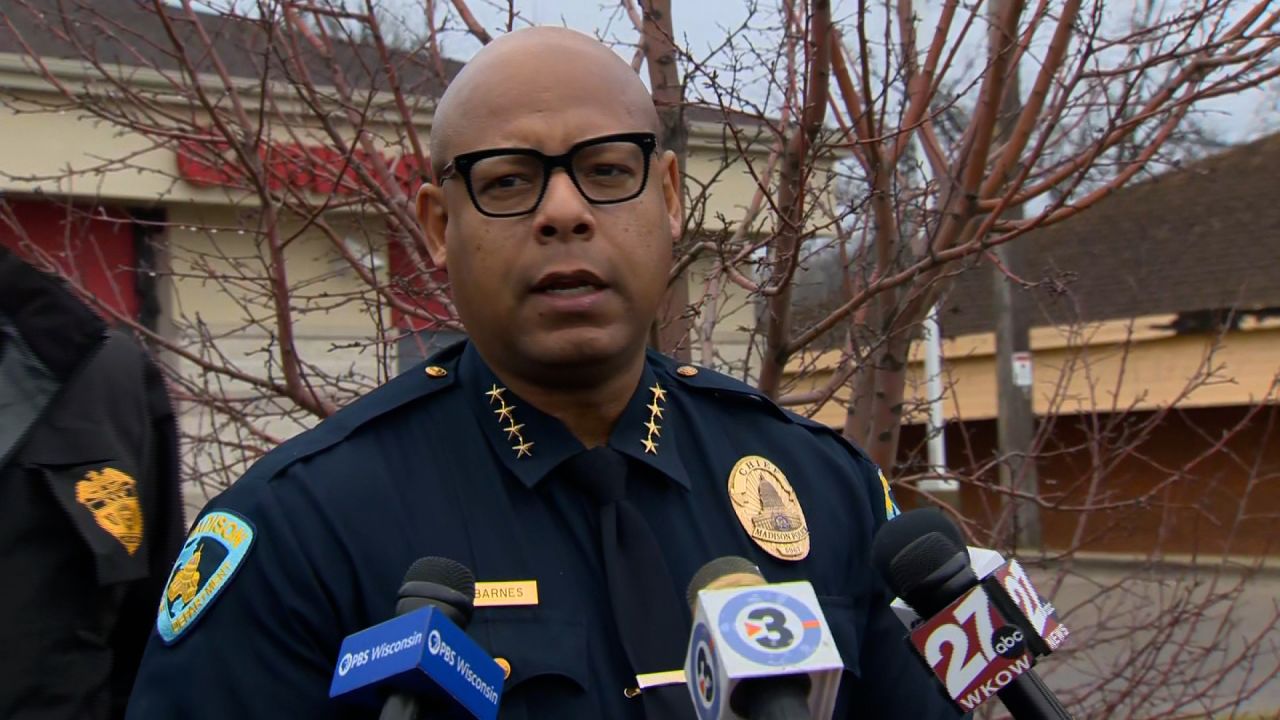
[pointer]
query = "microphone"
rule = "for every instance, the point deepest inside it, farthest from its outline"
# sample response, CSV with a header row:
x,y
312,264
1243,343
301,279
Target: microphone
x,y
758,651
422,659
979,638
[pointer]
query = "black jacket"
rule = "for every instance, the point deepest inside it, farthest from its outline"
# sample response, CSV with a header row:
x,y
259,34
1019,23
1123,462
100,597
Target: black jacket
x,y
90,508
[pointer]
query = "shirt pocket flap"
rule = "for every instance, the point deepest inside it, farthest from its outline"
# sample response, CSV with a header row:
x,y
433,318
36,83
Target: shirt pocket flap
x,y
58,446
843,617
536,646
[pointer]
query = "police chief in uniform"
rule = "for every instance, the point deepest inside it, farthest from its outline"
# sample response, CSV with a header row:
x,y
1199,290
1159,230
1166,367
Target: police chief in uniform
x,y
90,511
554,213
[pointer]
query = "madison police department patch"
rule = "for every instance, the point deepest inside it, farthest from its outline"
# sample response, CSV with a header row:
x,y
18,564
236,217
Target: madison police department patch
x,y
215,550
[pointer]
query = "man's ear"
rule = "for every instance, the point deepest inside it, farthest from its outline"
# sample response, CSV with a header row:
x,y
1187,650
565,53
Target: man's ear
x,y
434,219
669,169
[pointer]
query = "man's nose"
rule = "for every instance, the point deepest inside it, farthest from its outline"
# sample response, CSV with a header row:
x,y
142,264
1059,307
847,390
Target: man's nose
x,y
564,213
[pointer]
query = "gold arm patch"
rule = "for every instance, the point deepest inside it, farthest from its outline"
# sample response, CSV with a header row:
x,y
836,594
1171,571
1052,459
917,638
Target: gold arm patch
x,y
111,496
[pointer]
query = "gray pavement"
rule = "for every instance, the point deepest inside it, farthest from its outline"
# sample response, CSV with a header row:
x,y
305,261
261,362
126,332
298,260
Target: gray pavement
x,y
1182,640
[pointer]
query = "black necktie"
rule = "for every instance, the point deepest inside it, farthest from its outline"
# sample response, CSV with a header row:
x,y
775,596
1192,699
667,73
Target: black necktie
x,y
648,610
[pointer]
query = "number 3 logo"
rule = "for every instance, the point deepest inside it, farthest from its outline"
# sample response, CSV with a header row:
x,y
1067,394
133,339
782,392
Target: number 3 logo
x,y
701,665
706,677
770,627
772,632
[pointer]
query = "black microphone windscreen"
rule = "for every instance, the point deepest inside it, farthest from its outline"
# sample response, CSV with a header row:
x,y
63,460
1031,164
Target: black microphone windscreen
x,y
894,537
443,571
919,560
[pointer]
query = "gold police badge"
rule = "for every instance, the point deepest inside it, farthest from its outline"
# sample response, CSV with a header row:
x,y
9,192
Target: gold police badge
x,y
112,497
767,507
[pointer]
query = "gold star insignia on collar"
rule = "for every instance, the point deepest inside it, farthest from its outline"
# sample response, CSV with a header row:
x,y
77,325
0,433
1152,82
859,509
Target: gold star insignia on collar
x,y
512,428
655,414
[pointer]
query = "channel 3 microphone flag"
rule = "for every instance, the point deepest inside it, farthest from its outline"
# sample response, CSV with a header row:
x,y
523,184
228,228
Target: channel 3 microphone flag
x,y
758,650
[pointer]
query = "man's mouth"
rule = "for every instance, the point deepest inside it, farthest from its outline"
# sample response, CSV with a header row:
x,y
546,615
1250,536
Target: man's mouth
x,y
569,284
569,291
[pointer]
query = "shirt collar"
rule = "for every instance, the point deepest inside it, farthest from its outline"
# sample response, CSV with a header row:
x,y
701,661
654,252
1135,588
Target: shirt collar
x,y
531,443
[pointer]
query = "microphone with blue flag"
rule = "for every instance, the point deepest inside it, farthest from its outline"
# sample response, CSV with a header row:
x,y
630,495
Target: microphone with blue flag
x,y
421,663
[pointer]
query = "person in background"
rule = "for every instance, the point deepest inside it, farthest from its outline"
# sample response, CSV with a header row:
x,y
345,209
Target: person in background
x,y
90,508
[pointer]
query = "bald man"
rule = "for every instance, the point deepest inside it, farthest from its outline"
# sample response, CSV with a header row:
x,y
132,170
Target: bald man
x,y
583,479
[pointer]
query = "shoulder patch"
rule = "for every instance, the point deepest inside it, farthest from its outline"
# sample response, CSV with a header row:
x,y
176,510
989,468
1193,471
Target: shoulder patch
x,y
215,550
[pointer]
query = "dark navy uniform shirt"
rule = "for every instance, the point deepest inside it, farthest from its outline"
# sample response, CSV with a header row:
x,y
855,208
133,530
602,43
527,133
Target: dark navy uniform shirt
x,y
312,545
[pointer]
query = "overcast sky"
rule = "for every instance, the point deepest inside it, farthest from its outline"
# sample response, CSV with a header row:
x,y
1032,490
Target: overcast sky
x,y
703,23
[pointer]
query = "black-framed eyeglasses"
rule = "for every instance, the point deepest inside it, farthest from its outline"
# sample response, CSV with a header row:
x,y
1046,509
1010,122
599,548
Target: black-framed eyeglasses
x,y
506,182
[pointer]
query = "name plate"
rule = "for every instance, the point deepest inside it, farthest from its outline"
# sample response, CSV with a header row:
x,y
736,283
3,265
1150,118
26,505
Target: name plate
x,y
506,593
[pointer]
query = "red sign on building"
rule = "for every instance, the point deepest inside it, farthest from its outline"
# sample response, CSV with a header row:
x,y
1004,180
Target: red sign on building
x,y
314,168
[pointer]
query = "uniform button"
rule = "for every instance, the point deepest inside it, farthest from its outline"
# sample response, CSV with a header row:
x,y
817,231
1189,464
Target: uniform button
x,y
686,371
506,667
436,371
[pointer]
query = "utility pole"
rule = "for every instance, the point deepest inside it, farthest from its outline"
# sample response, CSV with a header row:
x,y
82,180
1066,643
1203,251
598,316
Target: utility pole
x,y
1015,423
945,490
